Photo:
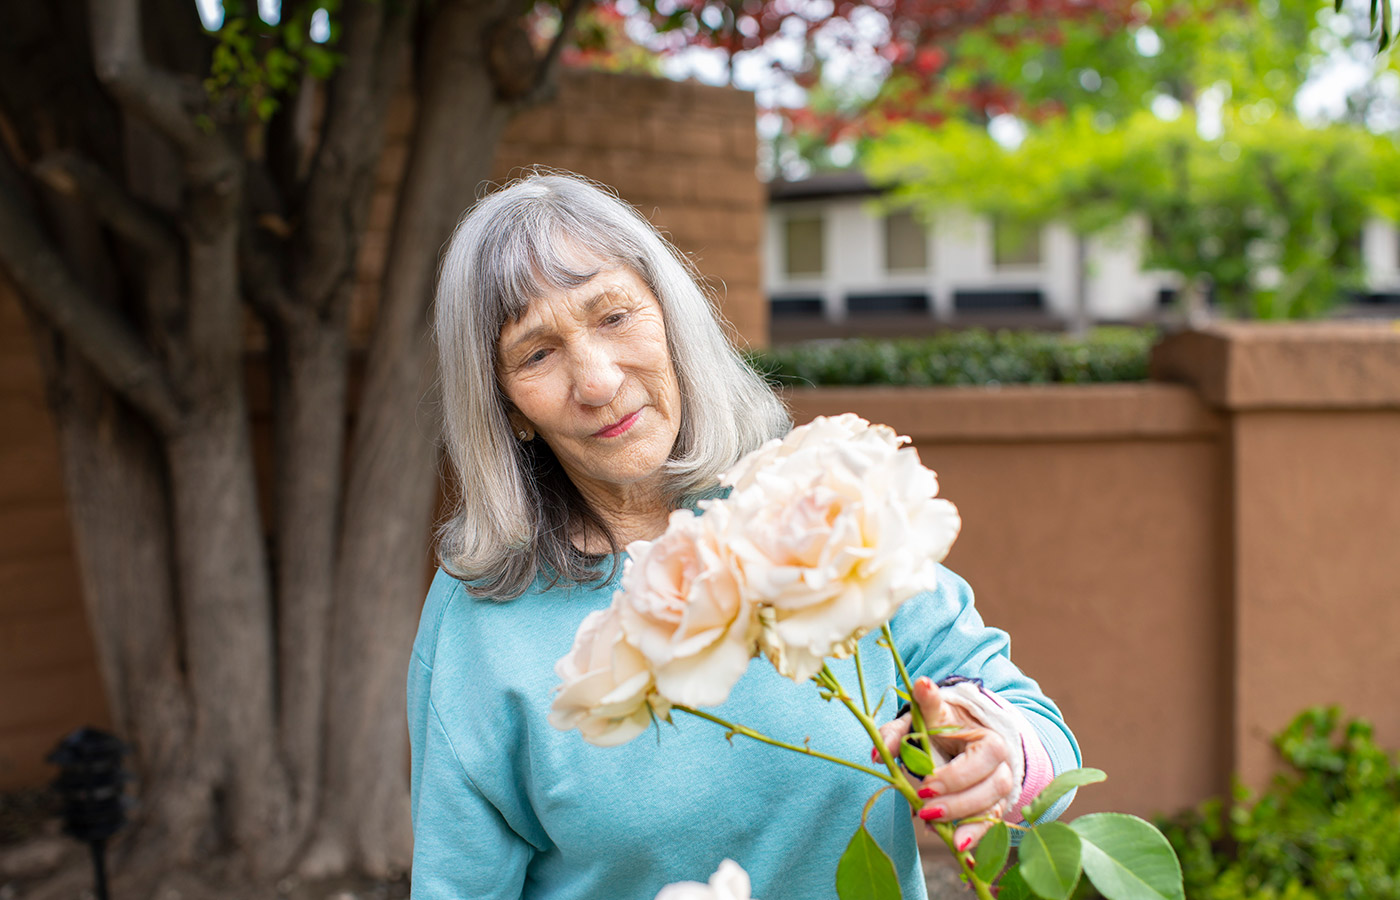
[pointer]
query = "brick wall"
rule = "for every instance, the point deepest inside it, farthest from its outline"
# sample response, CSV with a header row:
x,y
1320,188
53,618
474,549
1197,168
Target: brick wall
x,y
683,153
48,675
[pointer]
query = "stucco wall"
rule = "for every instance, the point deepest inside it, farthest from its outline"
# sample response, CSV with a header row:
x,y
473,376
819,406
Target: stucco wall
x,y
1093,527
1313,449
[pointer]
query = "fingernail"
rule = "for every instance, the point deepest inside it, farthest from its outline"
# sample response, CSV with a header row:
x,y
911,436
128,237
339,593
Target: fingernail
x,y
927,792
966,842
970,861
874,754
931,812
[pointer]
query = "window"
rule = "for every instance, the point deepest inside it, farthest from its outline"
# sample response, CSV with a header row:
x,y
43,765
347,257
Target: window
x,y
906,244
1015,243
804,237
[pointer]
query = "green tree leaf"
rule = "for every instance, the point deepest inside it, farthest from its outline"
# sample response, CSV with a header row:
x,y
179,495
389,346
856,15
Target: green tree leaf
x,y
1013,885
1050,860
992,851
865,871
1128,859
914,758
1063,784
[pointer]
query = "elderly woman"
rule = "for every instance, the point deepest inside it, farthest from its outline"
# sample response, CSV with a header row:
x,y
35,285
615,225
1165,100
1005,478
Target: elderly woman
x,y
589,391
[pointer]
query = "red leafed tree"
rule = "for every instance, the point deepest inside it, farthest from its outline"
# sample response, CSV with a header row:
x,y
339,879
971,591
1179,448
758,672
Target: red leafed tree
x,y
157,181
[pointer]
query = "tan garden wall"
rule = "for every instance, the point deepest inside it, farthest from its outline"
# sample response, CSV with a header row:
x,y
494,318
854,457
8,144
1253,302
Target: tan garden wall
x,y
1184,567
1093,532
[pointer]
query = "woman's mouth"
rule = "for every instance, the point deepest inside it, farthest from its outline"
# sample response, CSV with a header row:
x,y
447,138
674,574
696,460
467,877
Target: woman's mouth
x,y
618,427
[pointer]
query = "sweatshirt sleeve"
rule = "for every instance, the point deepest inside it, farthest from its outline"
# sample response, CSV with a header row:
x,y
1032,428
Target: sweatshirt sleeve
x,y
940,634
462,845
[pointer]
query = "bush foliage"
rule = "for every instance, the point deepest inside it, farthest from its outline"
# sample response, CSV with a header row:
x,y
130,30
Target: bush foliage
x,y
969,357
1328,829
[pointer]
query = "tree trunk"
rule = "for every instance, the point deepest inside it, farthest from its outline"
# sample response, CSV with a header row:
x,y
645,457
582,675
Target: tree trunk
x,y
119,507
391,488
309,427
254,658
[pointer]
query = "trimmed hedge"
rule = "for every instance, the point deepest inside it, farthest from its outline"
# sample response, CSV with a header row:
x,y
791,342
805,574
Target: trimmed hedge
x,y
971,357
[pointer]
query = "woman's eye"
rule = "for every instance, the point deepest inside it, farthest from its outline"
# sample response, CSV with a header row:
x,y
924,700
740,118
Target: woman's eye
x,y
615,319
536,357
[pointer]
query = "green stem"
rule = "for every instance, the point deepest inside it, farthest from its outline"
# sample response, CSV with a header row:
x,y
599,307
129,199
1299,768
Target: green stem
x,y
860,676
757,736
982,888
828,679
896,778
916,715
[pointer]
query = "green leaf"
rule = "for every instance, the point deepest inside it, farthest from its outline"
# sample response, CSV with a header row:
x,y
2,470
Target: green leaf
x,y
1128,859
1063,784
865,872
1050,860
1013,885
992,851
914,758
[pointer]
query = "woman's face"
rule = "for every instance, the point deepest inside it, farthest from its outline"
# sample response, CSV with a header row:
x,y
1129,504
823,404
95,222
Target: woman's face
x,y
588,370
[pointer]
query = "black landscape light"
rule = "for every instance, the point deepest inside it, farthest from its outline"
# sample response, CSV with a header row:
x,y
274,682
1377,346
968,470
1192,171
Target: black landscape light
x,y
91,783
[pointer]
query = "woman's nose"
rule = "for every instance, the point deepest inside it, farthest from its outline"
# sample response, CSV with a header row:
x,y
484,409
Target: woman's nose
x,y
597,377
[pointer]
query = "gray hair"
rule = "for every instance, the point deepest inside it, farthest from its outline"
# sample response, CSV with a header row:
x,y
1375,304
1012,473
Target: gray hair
x,y
514,506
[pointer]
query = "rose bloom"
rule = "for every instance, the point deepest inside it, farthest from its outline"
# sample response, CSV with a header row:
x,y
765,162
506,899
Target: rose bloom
x,y
682,606
730,882
608,693
840,527
822,429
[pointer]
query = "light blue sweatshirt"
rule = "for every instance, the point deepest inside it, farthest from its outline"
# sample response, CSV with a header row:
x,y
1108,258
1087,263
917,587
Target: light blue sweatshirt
x,y
507,806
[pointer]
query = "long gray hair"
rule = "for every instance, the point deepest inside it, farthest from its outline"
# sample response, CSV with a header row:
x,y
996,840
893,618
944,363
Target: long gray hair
x,y
515,509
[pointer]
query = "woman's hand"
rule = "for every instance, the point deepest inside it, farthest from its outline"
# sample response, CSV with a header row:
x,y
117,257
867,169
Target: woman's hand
x,y
979,779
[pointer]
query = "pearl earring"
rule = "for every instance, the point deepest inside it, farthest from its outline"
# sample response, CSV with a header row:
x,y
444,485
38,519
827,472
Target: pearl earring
x,y
525,435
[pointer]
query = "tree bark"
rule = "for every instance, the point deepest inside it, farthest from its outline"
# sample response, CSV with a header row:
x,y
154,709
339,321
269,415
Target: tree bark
x,y
392,471
119,505
262,690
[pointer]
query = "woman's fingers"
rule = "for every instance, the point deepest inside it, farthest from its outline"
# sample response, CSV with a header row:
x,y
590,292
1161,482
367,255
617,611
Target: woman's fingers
x,y
891,733
930,703
966,836
975,800
984,753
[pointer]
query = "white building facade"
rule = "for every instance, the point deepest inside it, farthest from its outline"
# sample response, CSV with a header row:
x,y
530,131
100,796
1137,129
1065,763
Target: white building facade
x,y
835,252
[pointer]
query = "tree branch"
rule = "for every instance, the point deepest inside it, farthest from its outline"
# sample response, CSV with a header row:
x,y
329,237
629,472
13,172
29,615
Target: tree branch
x,y
100,335
266,291
72,175
542,84
342,175
154,94
549,65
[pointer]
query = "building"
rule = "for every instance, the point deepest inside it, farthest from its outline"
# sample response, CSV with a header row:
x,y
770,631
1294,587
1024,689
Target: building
x,y
840,261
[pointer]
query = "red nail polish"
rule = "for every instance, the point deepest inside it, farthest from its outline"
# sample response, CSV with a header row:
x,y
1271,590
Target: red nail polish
x,y
927,792
874,754
931,812
967,842
971,862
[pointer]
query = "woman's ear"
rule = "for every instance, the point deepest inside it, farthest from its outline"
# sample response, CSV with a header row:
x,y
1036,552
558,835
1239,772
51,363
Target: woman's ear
x,y
520,426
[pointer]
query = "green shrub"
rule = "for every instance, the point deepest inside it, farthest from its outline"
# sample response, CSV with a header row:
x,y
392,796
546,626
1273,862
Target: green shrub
x,y
967,357
1329,829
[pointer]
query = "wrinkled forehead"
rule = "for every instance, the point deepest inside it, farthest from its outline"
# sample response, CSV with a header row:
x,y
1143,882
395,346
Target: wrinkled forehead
x,y
540,263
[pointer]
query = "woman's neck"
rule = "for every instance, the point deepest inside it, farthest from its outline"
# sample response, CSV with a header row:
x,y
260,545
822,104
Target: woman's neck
x,y
631,513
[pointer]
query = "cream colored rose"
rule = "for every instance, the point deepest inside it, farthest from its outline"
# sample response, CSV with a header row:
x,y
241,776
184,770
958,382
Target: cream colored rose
x,y
821,430
608,693
682,606
730,882
837,534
